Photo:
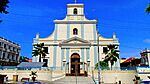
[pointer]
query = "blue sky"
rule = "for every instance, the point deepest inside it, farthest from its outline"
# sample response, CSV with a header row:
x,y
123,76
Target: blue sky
x,y
124,17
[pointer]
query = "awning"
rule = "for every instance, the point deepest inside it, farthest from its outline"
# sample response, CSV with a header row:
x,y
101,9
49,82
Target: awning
x,y
31,65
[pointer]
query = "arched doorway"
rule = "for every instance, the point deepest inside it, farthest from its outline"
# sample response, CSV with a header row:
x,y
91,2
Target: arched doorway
x,y
75,64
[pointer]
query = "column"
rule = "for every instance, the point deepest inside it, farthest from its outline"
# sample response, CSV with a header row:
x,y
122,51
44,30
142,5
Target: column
x,y
62,58
54,56
82,55
2,50
87,55
82,31
67,58
95,55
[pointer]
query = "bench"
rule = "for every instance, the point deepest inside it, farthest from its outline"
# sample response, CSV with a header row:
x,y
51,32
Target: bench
x,y
25,79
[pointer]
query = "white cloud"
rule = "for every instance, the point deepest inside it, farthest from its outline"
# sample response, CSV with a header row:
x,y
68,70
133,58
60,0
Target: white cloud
x,y
147,40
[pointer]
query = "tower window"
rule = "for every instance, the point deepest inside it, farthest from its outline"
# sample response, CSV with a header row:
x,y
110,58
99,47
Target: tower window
x,y
75,11
75,31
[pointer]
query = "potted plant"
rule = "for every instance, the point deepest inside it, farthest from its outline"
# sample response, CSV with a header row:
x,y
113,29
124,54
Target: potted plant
x,y
34,75
137,79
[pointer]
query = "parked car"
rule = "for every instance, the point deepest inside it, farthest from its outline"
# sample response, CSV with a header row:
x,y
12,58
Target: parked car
x,y
145,82
32,83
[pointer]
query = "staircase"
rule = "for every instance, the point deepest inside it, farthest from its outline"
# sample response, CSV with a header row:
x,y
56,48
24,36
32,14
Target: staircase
x,y
74,80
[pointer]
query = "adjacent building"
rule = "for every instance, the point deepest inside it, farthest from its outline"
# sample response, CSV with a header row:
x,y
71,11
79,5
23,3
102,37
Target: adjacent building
x,y
145,57
74,42
9,51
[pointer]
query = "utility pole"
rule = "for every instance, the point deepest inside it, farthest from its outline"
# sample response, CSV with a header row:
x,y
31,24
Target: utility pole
x,y
99,81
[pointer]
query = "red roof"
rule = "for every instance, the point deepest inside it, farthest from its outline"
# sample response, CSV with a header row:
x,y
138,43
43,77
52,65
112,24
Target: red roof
x,y
30,60
129,59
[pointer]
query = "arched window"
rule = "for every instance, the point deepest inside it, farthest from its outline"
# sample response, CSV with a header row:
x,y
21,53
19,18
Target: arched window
x,y
75,11
75,31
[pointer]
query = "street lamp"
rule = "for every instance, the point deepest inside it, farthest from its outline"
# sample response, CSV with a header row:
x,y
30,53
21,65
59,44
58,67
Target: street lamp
x,y
88,64
98,55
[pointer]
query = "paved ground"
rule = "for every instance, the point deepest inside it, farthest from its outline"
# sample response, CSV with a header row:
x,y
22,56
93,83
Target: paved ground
x,y
72,80
66,80
12,82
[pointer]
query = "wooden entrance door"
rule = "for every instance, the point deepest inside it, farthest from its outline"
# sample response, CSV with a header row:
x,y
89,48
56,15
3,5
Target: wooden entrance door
x,y
75,64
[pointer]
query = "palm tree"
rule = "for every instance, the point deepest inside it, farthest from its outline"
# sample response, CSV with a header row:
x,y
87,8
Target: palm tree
x,y
111,54
148,9
39,50
3,6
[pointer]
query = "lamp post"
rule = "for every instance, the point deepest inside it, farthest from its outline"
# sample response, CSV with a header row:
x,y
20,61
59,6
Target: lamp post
x,y
88,64
98,55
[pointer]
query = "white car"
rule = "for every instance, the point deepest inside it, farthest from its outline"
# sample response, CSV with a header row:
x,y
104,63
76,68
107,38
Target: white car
x,y
145,82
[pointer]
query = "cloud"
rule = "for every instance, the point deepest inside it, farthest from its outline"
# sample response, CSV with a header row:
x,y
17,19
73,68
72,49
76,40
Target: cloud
x,y
147,40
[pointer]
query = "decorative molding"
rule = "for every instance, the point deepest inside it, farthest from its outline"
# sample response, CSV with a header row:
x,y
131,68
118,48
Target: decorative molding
x,y
75,15
83,44
75,5
75,22
75,39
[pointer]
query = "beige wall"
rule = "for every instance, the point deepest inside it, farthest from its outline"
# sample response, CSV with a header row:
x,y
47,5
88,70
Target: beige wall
x,y
42,74
126,77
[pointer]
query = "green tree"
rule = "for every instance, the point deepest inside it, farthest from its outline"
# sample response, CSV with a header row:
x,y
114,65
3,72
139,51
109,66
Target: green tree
x,y
23,59
148,9
3,6
39,50
112,54
103,65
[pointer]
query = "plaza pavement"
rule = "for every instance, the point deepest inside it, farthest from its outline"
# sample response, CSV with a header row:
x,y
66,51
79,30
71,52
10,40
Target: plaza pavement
x,y
65,80
72,80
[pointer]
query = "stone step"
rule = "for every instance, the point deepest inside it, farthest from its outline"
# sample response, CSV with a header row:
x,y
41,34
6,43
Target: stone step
x,y
74,80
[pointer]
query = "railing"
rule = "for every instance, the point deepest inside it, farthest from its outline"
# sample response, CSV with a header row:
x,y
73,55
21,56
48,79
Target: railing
x,y
60,68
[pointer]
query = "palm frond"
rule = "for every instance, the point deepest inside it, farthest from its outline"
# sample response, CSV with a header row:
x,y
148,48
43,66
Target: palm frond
x,y
39,50
112,55
148,9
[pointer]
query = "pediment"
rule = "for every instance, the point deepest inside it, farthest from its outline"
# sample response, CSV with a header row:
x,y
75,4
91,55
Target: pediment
x,y
76,40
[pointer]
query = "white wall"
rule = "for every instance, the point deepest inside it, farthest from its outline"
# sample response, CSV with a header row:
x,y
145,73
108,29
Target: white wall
x,y
42,75
126,77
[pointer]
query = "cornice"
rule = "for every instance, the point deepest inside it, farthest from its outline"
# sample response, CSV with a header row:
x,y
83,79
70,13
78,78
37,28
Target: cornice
x,y
75,22
75,5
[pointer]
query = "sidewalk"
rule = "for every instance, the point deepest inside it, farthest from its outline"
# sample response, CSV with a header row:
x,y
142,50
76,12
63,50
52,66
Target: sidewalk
x,y
74,80
19,82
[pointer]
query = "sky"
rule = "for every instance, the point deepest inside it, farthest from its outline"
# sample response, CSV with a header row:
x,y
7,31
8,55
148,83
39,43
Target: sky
x,y
126,18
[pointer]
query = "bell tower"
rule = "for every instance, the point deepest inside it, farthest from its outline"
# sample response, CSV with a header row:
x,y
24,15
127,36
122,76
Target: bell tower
x,y
75,9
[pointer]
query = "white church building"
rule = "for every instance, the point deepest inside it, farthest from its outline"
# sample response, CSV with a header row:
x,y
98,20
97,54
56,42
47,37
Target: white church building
x,y
73,43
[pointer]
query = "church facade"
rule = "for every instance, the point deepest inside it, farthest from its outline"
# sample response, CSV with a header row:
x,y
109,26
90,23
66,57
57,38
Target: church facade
x,y
73,43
